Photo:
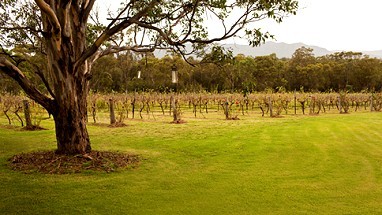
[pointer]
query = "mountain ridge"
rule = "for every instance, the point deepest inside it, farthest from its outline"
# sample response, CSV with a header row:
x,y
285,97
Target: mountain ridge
x,y
286,50
281,49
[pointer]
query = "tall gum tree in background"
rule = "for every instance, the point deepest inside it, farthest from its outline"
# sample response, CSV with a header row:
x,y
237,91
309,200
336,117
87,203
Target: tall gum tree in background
x,y
70,37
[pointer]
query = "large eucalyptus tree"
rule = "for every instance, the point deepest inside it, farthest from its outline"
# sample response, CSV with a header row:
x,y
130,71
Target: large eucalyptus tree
x,y
71,40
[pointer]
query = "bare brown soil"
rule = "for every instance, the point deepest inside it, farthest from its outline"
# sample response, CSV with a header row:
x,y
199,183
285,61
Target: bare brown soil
x,y
51,163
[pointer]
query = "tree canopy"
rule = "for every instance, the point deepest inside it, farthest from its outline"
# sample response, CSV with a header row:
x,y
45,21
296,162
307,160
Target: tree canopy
x,y
220,71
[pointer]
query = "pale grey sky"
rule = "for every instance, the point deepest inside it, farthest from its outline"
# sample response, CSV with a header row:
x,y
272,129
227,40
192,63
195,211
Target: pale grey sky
x,y
349,25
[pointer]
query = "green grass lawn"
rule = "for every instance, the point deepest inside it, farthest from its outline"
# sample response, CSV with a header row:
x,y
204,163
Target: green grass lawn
x,y
327,164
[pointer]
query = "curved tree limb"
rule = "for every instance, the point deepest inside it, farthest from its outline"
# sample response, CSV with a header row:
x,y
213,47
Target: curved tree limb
x,y
50,13
110,31
87,6
43,79
11,70
56,31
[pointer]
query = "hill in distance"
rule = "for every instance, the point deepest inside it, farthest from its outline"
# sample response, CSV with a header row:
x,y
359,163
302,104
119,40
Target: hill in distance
x,y
282,50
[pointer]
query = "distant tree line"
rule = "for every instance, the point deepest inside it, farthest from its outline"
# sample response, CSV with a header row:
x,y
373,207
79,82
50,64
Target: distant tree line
x,y
220,71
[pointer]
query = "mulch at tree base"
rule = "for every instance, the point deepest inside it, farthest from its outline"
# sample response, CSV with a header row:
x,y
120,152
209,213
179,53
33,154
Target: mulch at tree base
x,y
233,118
33,128
51,163
23,128
117,125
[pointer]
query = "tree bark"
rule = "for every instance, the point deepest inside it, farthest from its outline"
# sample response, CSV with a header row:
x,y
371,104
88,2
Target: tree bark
x,y
71,112
71,132
69,78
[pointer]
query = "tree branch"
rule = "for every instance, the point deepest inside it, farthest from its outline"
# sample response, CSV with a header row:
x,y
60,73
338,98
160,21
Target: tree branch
x,y
190,21
15,73
51,15
117,49
43,79
110,31
87,6
14,58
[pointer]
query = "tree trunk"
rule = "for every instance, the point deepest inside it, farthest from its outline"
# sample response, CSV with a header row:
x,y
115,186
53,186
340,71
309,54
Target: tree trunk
x,y
72,136
70,82
71,115
71,132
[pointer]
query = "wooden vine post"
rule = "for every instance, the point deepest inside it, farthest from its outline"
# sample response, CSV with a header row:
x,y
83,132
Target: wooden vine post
x,y
112,112
295,103
174,109
339,104
226,109
173,100
270,106
371,103
94,112
27,114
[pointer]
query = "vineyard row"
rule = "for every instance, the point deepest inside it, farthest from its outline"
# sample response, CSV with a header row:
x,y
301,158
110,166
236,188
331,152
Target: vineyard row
x,y
141,105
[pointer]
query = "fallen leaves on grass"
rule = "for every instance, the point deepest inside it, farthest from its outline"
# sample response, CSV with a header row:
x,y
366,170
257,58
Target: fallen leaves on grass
x,y
52,163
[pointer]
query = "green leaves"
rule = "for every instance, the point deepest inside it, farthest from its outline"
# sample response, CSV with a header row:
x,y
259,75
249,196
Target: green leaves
x,y
219,55
20,24
257,36
92,32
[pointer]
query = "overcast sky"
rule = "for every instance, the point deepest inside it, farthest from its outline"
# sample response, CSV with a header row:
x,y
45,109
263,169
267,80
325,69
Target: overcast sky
x,y
337,25
351,25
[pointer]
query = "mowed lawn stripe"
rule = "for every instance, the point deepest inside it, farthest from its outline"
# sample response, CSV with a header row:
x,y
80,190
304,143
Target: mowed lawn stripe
x,y
327,164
